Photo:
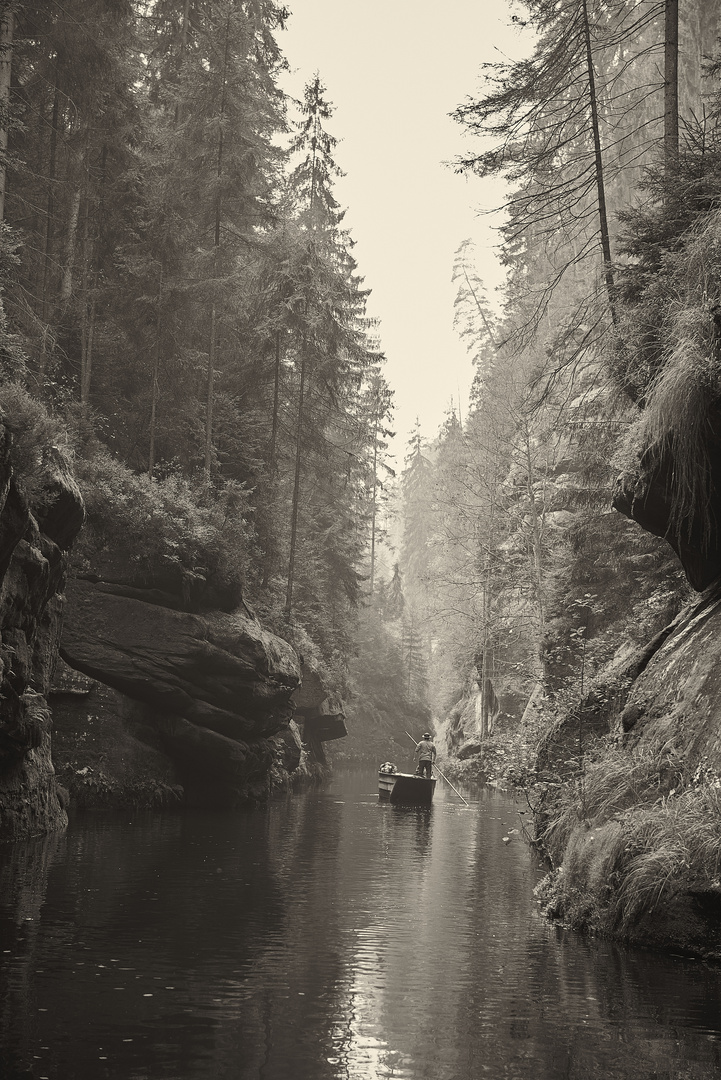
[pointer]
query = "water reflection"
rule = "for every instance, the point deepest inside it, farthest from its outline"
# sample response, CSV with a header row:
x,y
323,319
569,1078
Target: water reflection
x,y
326,937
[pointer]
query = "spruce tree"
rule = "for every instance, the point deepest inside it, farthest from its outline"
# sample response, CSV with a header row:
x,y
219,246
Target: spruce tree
x,y
330,352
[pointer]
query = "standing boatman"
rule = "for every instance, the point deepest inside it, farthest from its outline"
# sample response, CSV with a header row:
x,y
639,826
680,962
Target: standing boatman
x,y
426,753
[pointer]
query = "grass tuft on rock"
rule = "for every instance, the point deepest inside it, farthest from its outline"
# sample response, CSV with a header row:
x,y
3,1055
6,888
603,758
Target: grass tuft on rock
x,y
632,837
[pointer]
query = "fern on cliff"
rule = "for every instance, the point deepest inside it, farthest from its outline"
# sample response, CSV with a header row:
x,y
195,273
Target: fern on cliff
x,y
33,432
168,534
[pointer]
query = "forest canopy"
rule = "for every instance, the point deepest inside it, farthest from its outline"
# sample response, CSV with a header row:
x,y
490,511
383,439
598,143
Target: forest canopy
x,y
181,302
181,311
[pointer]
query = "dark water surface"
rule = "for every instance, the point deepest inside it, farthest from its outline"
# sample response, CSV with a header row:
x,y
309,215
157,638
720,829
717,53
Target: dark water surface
x,y
325,937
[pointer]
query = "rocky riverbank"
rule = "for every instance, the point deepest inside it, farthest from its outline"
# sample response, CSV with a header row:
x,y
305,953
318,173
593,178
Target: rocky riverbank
x,y
629,793
34,545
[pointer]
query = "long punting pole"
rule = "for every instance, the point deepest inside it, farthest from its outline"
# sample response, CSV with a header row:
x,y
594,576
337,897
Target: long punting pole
x,y
415,743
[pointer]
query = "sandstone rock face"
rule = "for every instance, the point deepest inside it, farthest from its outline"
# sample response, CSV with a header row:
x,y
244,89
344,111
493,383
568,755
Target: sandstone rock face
x,y
669,688
29,799
646,498
190,696
33,566
678,692
663,705
288,747
106,750
320,712
217,686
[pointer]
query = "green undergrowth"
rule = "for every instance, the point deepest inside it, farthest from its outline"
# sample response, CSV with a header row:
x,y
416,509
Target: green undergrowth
x,y
169,532
631,836
34,435
504,758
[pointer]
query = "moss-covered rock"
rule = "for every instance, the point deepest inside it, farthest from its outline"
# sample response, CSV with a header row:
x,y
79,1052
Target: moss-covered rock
x,y
634,826
41,511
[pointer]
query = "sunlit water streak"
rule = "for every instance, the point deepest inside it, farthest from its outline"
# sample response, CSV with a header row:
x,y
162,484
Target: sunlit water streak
x,y
327,937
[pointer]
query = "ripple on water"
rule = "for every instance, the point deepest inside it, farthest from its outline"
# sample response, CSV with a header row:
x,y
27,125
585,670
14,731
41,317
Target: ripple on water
x,y
325,937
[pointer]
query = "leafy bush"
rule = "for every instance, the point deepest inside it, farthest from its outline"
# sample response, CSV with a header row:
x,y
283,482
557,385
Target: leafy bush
x,y
169,534
33,433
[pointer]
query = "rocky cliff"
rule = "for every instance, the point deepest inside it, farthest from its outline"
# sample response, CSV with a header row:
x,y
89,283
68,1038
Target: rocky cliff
x,y
169,688
211,690
33,567
631,810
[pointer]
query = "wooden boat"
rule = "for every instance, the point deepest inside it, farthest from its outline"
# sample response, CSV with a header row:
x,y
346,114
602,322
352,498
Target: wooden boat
x,y
405,788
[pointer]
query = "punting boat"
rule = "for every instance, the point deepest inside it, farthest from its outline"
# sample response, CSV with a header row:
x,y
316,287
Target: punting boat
x,y
406,788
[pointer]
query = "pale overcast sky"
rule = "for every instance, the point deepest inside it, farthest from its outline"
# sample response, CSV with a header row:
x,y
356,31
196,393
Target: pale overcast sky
x,y
394,70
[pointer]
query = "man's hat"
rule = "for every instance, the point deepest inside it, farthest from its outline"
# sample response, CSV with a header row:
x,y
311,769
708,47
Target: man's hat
x,y
427,735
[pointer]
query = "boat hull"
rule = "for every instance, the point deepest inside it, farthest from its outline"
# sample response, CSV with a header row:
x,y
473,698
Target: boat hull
x,y
406,788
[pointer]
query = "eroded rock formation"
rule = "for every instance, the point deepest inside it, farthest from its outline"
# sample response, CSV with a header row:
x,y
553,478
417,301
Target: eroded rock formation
x,y
33,567
216,687
646,497
319,712
661,705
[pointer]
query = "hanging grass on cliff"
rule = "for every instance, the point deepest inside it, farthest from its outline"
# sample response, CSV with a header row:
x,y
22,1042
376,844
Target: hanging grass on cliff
x,y
639,863
672,342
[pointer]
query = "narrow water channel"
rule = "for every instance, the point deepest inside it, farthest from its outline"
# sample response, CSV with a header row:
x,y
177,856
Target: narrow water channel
x,y
326,937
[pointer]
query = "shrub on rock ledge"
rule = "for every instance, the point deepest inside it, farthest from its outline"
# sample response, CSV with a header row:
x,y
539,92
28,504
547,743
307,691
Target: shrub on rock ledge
x,y
184,539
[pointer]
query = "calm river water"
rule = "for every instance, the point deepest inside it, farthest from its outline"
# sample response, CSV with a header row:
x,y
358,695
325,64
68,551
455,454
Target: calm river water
x,y
326,937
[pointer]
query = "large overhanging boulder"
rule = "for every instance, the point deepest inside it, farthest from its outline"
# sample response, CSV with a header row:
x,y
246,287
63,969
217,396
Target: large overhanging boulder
x,y
674,488
221,671
319,710
646,498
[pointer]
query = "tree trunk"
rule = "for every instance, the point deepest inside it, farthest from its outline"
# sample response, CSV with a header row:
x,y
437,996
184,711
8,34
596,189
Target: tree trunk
x,y
90,284
487,658
373,506
216,247
536,543
66,285
268,558
156,368
600,185
183,42
7,26
210,393
49,231
84,288
670,89
296,487
479,307
410,656
50,204
87,364
273,464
